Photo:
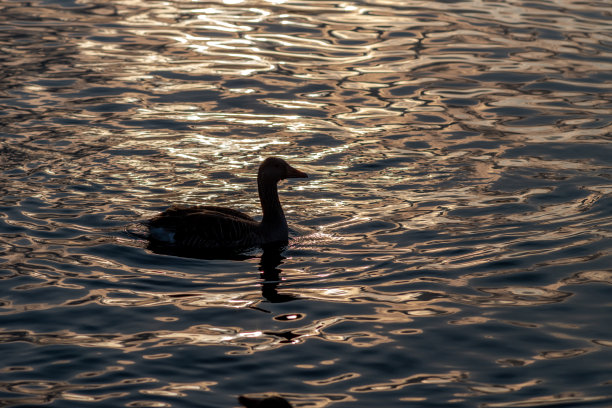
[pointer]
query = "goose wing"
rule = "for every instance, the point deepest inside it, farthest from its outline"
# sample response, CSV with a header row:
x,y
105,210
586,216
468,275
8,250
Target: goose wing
x,y
183,211
225,210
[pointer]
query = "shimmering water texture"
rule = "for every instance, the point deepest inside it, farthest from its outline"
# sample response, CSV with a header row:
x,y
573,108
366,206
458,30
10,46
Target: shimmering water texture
x,y
451,247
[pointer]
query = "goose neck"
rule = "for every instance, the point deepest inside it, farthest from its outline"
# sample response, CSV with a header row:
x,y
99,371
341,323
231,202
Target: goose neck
x,y
270,204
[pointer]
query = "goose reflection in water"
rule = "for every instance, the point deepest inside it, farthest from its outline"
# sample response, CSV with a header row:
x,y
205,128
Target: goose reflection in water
x,y
271,259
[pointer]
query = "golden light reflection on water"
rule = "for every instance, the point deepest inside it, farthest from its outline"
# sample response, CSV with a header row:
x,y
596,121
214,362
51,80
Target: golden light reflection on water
x,y
459,180
453,376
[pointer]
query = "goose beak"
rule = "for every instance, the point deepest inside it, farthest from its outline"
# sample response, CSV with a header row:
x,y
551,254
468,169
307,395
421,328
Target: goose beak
x,y
295,173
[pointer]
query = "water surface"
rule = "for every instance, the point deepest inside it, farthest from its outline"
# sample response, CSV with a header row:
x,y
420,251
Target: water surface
x,y
451,247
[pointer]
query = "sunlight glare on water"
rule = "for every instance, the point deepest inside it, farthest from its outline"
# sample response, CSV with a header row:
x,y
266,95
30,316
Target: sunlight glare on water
x,y
451,246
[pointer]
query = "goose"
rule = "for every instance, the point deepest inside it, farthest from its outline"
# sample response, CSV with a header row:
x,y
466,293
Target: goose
x,y
212,228
270,402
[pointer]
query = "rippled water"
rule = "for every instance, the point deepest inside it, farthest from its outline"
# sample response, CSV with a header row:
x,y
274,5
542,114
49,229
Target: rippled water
x,y
450,249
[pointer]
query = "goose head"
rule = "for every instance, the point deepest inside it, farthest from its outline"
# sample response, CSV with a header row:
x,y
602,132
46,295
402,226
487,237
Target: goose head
x,y
274,169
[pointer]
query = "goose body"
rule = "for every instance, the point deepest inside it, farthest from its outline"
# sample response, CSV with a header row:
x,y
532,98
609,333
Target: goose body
x,y
221,228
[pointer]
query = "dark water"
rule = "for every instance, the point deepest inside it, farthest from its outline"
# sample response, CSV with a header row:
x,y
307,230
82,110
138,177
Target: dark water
x,y
450,249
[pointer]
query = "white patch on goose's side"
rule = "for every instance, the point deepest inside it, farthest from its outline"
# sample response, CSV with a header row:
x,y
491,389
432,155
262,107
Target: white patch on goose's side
x,y
162,234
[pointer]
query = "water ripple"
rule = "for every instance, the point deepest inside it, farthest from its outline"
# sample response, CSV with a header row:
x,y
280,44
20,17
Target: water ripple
x,y
451,246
